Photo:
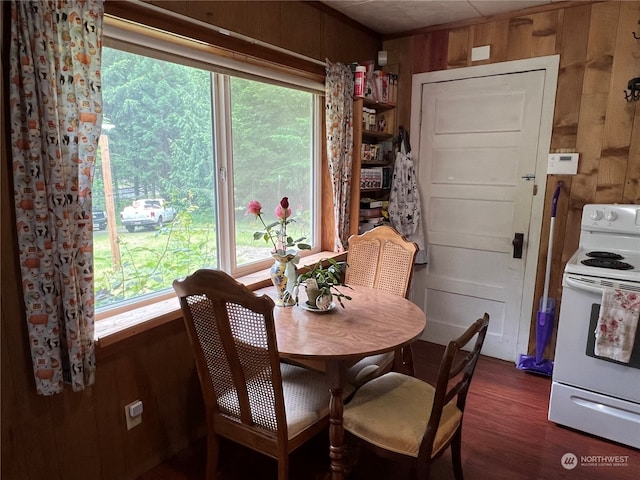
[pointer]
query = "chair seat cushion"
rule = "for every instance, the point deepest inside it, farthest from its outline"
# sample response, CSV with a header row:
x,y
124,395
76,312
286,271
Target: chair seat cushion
x,y
392,412
306,397
369,367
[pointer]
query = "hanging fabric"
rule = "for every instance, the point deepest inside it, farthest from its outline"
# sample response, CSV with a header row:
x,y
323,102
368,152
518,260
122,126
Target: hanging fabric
x,y
339,128
55,114
404,201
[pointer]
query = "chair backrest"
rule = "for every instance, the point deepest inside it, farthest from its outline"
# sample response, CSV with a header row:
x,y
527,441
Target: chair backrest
x,y
233,336
455,374
381,258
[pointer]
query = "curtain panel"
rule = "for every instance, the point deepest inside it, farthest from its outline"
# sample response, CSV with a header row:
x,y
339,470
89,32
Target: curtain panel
x,y
339,128
55,117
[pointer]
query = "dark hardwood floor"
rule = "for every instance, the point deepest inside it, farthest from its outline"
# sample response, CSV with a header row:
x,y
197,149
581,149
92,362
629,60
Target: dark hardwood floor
x,y
506,435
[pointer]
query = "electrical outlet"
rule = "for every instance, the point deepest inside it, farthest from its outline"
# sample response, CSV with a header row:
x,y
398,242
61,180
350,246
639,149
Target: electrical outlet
x,y
134,408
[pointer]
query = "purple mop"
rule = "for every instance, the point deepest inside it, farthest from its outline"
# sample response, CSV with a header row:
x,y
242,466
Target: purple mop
x,y
546,313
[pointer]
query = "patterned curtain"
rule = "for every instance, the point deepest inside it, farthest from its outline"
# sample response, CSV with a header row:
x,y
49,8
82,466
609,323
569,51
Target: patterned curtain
x,y
339,126
55,115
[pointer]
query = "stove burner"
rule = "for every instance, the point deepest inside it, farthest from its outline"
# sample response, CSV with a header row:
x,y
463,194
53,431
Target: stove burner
x,y
607,255
606,263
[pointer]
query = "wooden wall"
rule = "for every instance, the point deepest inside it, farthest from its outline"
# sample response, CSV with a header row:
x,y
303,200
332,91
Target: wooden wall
x,y
83,435
598,56
301,27
42,435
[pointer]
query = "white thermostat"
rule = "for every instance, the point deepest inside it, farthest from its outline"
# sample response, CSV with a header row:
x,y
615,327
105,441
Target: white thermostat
x,y
563,163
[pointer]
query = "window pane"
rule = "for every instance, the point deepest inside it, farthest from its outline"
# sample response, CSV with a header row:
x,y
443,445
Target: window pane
x,y
158,122
272,158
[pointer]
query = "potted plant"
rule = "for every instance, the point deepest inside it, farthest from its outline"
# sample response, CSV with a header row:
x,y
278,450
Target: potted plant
x,y
321,283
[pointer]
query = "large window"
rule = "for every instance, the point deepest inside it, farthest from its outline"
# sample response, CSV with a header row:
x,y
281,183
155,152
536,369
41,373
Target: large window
x,y
184,149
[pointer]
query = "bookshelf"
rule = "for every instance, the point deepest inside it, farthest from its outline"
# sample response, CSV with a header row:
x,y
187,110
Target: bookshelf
x,y
373,156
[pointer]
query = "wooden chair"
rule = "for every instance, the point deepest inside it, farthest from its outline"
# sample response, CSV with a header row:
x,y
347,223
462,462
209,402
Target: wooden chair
x,y
402,417
383,259
250,396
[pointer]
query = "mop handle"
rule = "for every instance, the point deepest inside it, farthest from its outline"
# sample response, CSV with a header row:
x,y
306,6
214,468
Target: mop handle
x,y
554,202
554,207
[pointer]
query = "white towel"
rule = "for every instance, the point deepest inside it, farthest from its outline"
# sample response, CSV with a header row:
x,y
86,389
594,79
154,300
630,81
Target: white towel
x,y
617,324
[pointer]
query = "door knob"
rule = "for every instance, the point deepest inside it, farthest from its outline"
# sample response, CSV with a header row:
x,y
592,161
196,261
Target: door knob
x,y
518,242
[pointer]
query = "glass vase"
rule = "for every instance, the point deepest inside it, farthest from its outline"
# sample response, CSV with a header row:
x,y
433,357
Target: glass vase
x,y
283,275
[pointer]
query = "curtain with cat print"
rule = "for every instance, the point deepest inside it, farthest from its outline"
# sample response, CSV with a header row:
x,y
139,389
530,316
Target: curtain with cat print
x,y
55,118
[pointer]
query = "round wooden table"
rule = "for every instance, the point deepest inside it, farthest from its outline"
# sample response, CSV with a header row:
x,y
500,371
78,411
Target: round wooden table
x,y
372,322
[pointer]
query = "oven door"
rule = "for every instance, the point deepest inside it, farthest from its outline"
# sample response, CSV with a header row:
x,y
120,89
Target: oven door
x,y
575,363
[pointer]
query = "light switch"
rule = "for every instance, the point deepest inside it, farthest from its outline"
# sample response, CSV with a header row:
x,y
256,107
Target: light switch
x,y
135,409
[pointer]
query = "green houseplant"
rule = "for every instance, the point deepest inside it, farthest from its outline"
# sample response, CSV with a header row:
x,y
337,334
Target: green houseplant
x,y
321,282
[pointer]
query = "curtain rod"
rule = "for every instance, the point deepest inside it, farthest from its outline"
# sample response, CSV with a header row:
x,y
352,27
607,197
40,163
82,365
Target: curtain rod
x,y
228,33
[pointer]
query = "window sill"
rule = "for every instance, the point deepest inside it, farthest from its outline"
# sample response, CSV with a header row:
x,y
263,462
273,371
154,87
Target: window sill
x,y
116,328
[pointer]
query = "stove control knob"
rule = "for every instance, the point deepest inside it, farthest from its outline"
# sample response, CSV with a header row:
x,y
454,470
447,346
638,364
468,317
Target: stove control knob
x,y
610,216
596,215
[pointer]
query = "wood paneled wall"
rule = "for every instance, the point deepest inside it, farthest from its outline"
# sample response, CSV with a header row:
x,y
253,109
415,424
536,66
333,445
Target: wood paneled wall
x,y
78,436
598,56
83,435
302,27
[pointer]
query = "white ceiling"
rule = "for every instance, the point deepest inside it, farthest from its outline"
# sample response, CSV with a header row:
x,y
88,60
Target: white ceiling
x,y
394,16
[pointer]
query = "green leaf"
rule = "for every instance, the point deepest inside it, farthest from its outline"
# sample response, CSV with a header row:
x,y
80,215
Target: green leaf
x,y
272,225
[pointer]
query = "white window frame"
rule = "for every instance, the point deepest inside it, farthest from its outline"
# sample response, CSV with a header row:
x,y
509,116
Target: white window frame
x,y
146,41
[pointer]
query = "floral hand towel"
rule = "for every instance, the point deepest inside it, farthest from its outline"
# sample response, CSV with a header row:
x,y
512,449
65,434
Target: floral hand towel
x,y
617,324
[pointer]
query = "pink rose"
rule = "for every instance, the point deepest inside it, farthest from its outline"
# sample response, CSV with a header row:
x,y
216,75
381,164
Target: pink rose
x,y
283,213
254,207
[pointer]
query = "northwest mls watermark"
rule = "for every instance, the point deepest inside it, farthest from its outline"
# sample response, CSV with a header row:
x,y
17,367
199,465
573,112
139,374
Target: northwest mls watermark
x,y
569,461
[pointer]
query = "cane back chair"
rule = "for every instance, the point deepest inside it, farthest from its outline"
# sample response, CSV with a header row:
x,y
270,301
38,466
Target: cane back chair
x,y
383,259
250,396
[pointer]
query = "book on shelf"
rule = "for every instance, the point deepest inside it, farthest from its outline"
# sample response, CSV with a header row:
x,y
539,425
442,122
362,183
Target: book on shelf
x,y
375,177
371,177
370,212
381,86
384,87
387,177
371,152
370,203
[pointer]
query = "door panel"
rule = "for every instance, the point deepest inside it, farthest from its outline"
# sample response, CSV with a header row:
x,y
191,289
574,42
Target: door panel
x,y
504,109
456,307
475,150
492,166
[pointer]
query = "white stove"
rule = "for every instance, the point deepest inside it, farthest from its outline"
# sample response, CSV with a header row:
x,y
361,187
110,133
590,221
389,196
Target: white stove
x,y
609,243
591,392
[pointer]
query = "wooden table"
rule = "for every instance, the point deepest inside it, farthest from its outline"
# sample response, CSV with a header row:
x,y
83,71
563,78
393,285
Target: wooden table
x,y
372,322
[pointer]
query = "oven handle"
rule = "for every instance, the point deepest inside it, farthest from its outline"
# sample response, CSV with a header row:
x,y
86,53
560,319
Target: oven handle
x,y
579,284
583,286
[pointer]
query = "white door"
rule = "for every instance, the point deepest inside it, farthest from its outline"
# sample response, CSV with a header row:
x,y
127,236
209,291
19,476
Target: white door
x,y
479,144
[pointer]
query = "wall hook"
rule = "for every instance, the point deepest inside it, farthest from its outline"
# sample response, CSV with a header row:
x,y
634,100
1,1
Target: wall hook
x,y
633,90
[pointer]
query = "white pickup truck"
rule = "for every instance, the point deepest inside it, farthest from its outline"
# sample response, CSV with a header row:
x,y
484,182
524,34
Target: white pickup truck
x,y
149,213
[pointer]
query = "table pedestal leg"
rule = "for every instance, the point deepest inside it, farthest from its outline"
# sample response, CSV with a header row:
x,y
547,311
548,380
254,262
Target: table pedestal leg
x,y
336,434
336,374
